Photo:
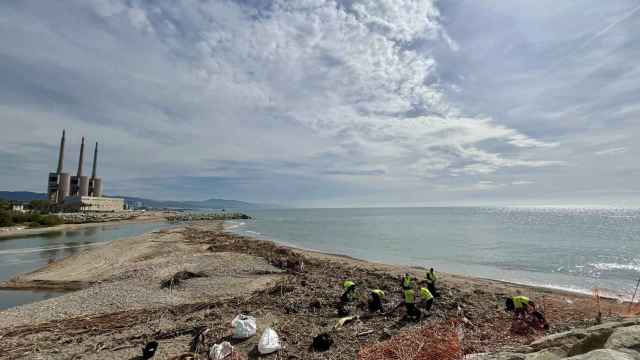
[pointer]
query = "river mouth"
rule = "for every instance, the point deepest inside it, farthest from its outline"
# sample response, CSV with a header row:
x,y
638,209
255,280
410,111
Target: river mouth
x,y
25,253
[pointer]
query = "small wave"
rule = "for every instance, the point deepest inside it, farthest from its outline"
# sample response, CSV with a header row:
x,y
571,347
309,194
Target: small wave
x,y
616,266
234,225
253,232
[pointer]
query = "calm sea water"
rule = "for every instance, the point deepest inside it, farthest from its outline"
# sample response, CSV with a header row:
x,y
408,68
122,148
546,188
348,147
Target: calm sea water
x,y
573,249
23,254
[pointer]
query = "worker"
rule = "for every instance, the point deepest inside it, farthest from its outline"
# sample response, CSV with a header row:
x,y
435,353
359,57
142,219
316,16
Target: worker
x,y
523,306
426,298
410,304
407,282
375,303
519,304
349,291
431,282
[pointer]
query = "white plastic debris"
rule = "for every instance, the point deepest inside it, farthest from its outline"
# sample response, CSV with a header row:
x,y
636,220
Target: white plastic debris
x,y
243,326
269,342
220,351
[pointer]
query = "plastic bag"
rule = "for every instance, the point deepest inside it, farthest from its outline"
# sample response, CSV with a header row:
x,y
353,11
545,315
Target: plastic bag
x,y
220,351
269,342
243,326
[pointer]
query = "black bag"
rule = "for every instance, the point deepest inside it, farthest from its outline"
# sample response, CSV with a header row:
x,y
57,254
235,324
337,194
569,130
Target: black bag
x,y
322,342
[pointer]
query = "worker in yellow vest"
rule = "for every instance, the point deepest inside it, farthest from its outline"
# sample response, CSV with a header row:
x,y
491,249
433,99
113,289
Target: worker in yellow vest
x,y
407,282
349,291
519,304
431,282
410,304
375,301
426,298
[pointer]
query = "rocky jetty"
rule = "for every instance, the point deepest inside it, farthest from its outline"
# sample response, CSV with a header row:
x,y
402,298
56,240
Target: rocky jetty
x,y
95,217
188,217
609,341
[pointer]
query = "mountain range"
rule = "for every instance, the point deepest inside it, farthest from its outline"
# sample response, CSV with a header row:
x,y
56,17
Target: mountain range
x,y
149,203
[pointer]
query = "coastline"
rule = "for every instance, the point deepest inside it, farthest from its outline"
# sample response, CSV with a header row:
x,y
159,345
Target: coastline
x,y
545,288
119,285
17,232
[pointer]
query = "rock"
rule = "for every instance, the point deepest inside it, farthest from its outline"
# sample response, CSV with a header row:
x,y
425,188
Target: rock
x,y
576,342
547,354
624,337
603,354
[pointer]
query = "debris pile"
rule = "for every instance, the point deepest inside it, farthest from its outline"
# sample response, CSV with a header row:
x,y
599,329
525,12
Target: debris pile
x,y
433,342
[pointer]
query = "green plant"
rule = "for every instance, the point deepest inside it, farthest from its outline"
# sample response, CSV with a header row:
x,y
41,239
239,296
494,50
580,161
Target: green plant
x,y
6,218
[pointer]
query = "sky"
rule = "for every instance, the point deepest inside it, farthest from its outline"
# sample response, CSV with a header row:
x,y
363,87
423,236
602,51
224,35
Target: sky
x,y
328,103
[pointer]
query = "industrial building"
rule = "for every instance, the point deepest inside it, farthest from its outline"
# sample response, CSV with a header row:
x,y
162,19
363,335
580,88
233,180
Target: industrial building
x,y
79,192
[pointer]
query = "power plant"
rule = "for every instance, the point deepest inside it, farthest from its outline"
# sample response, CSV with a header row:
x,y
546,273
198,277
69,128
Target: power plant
x,y
79,192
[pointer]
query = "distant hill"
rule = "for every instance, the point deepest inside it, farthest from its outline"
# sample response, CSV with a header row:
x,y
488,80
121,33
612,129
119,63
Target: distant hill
x,y
22,195
149,203
205,204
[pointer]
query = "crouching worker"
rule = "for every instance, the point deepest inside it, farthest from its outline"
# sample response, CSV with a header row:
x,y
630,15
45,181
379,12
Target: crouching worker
x,y
426,298
375,302
349,291
525,309
413,313
519,304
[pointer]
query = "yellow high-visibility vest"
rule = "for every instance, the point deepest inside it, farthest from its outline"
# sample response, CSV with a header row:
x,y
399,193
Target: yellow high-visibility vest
x,y
378,292
347,284
407,283
520,302
431,277
409,297
425,294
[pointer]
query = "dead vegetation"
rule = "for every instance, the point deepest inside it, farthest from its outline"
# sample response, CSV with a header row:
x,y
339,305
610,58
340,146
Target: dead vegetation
x,y
298,307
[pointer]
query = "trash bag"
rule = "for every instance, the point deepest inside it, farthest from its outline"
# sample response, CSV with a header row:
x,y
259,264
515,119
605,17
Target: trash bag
x,y
149,350
322,342
220,351
269,342
243,326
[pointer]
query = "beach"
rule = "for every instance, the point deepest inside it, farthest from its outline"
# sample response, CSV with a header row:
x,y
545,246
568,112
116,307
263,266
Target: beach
x,y
117,301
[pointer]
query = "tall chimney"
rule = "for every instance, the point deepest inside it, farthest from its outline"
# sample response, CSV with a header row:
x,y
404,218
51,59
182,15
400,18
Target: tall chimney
x,y
81,160
61,155
95,162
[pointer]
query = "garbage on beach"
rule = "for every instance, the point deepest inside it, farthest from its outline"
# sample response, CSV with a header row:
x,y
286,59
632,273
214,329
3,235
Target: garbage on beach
x,y
269,342
344,320
322,342
220,351
243,326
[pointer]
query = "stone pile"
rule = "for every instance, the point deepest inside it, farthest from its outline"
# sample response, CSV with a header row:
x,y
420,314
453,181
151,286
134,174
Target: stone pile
x,y
610,341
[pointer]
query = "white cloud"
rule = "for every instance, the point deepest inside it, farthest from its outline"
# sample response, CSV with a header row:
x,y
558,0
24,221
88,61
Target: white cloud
x,y
613,151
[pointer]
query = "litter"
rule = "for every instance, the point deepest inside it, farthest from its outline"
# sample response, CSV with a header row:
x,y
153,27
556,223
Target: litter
x,y
322,342
269,342
243,326
220,351
345,320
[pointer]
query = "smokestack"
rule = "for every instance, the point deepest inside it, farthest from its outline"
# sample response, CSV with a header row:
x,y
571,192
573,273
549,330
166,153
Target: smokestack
x,y
81,160
61,156
95,162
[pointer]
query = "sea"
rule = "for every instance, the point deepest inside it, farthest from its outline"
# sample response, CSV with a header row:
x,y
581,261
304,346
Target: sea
x,y
574,249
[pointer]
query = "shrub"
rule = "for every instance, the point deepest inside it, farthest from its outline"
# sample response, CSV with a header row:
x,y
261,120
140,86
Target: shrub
x,y
50,220
5,218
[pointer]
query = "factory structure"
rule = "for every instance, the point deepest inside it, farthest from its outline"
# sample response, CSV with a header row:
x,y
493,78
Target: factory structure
x,y
79,192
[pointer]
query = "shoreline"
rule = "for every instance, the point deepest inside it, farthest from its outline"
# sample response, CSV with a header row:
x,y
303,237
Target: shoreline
x,y
26,232
550,288
119,298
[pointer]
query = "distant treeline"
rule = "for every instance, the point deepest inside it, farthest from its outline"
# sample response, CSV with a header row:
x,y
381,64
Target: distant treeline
x,y
36,215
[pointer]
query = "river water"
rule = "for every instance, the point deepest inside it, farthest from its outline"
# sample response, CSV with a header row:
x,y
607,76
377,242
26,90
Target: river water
x,y
572,249
21,254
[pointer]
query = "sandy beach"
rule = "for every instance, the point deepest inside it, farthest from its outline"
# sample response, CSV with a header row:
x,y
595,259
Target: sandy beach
x,y
121,302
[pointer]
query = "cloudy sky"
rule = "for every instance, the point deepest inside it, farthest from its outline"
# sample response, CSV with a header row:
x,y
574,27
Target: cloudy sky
x,y
328,102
